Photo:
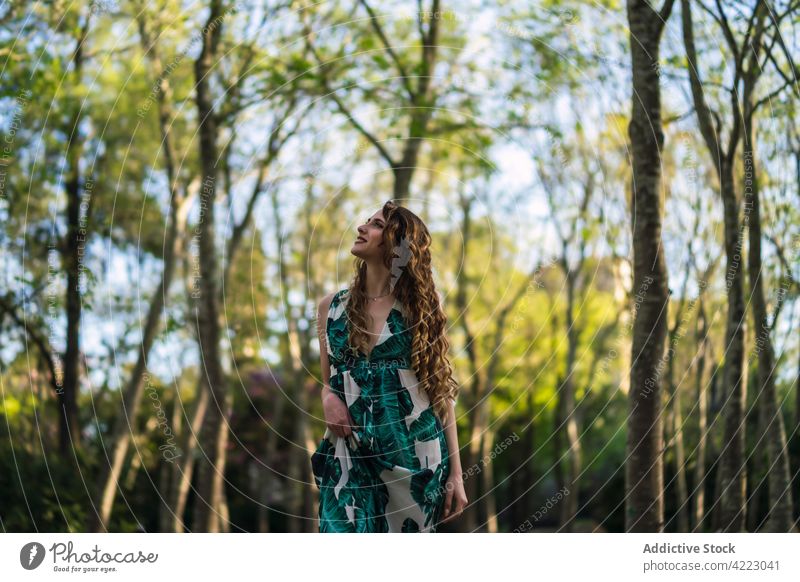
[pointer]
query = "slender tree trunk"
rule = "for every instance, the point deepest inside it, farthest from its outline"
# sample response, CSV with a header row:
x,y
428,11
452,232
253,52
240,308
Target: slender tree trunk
x,y
674,425
479,427
125,422
214,434
304,341
568,415
70,434
702,419
558,414
168,473
757,477
681,486
487,482
644,473
422,104
781,518
470,516
133,471
298,463
673,436
796,430
530,469
402,183
184,470
269,477
732,474
289,343
72,254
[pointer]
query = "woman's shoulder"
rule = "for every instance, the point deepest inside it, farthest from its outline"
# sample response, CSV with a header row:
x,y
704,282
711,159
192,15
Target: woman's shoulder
x,y
340,296
333,300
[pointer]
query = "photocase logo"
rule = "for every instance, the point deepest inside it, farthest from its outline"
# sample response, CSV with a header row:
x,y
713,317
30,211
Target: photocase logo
x,y
31,555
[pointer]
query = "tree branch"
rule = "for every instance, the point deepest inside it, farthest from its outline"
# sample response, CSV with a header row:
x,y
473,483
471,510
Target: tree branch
x,y
665,11
41,343
339,104
707,129
772,95
379,30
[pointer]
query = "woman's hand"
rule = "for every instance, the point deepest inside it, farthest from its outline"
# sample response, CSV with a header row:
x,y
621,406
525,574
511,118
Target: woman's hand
x,y
337,416
455,495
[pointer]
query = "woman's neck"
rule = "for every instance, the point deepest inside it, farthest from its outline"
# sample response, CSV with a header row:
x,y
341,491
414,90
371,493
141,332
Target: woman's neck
x,y
376,282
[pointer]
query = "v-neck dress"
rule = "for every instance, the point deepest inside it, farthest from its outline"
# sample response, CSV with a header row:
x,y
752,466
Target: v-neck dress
x,y
390,474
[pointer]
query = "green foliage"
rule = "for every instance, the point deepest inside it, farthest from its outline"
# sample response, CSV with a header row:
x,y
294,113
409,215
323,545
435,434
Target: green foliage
x,y
39,492
545,81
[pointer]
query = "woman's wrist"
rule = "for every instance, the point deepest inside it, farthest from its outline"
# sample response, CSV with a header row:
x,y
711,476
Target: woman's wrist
x,y
455,465
326,392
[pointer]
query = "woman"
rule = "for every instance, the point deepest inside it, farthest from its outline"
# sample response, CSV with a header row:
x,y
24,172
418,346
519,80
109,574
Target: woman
x,y
389,459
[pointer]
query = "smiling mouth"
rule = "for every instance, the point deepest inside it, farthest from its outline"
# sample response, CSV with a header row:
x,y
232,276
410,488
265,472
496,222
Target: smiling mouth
x,y
359,239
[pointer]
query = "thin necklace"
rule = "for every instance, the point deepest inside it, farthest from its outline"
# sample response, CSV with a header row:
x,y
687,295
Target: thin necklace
x,y
378,296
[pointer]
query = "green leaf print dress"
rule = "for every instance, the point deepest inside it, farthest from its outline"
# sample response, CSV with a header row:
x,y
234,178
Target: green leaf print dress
x,y
389,475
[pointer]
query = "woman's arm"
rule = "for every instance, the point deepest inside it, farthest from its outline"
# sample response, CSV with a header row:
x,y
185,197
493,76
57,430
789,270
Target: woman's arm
x,y
322,335
451,435
455,497
337,416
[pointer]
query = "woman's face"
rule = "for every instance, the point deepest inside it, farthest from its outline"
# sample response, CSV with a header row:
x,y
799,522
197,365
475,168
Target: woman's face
x,y
369,238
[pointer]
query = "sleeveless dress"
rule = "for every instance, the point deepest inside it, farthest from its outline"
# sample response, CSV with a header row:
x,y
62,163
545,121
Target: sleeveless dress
x,y
389,475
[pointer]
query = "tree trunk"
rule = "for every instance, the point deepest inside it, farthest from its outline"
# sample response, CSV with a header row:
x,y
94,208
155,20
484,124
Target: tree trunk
x,y
702,419
298,482
70,433
681,487
72,255
732,474
184,470
529,474
469,521
644,473
568,415
781,518
474,515
268,474
125,422
422,106
674,426
487,482
168,473
214,433
402,183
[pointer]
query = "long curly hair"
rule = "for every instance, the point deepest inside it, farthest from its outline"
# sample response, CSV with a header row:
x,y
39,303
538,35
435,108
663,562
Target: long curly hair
x,y
407,252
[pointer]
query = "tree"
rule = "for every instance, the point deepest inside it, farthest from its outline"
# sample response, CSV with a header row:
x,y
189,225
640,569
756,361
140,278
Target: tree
x,y
781,518
214,435
415,100
173,248
574,227
644,473
747,69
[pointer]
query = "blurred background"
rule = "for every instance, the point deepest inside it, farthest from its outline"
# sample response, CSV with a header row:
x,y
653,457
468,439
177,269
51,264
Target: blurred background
x,y
180,184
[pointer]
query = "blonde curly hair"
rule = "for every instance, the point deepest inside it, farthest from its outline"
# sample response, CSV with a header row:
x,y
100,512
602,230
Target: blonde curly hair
x,y
407,244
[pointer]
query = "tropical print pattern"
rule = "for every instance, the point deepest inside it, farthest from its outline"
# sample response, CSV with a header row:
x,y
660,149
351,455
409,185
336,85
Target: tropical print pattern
x,y
390,474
